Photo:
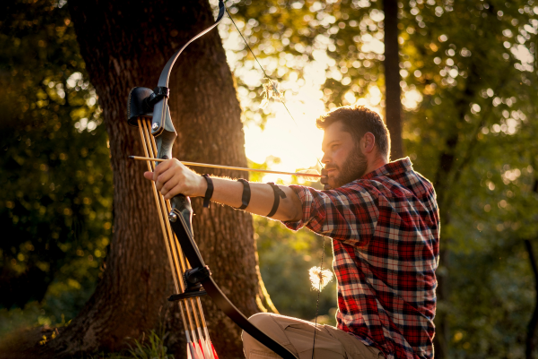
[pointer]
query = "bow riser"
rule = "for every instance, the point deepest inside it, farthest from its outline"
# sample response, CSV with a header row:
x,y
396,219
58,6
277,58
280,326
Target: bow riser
x,y
140,108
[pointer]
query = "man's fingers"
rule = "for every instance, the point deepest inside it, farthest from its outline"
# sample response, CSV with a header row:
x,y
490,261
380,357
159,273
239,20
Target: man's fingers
x,y
148,175
172,178
170,185
164,176
172,193
162,167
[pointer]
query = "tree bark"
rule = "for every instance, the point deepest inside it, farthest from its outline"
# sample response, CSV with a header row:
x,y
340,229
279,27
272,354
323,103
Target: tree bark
x,y
126,44
393,104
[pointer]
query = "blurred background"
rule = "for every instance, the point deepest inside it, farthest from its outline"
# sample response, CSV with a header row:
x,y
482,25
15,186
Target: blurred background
x,y
469,104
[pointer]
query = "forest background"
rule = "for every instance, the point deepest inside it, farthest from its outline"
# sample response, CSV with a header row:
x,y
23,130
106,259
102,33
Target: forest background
x,y
470,100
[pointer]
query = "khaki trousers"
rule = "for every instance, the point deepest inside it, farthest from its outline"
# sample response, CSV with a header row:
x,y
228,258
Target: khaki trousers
x,y
298,335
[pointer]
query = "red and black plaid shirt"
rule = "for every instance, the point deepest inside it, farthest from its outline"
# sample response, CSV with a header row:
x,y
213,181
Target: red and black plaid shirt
x,y
385,231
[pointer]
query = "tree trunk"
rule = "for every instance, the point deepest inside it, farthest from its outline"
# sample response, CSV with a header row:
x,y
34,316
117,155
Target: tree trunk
x,y
445,181
126,44
533,323
393,104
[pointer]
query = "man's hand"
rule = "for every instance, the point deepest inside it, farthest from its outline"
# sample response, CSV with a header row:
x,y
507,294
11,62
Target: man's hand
x,y
173,178
324,179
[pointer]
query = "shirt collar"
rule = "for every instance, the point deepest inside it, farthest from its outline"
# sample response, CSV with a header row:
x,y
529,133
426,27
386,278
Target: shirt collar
x,y
396,167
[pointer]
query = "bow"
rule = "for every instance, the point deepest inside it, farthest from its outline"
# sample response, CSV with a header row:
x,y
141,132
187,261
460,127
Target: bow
x,y
148,110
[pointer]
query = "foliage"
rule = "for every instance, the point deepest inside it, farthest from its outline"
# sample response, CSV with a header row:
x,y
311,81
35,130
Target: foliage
x,y
31,315
285,258
477,146
151,348
57,194
470,90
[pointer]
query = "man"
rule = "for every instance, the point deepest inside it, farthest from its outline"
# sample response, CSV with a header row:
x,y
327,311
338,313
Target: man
x,y
384,222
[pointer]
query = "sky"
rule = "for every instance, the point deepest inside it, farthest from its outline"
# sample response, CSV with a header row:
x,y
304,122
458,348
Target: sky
x,y
294,138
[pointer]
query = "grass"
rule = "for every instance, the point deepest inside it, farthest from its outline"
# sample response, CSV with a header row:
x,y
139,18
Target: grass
x,y
22,329
151,347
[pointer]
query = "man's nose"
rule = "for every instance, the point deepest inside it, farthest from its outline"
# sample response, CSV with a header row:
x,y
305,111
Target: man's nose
x,y
325,159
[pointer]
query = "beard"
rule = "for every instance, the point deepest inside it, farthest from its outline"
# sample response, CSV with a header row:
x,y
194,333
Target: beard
x,y
353,168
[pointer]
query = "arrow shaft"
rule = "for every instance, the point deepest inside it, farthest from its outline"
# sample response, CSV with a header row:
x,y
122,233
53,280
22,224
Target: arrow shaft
x,y
245,169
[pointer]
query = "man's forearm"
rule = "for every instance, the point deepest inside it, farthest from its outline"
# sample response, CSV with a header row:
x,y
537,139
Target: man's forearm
x,y
262,197
173,178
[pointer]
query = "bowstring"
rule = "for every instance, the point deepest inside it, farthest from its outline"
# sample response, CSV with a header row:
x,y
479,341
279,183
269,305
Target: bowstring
x,y
258,62
319,294
281,100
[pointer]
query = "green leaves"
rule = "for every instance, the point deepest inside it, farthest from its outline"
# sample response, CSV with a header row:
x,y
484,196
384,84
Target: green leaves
x,y
285,260
57,189
469,81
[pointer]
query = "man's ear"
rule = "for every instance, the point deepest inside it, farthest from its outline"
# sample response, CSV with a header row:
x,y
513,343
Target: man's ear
x,y
368,142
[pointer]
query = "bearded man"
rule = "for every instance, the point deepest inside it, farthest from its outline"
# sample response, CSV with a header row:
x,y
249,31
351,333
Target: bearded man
x,y
384,222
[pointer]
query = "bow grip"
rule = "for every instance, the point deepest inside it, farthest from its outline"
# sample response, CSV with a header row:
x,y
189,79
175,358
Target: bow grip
x,y
182,213
181,210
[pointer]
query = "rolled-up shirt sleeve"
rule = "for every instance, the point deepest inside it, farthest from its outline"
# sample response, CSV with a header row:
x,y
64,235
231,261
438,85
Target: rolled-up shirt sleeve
x,y
348,214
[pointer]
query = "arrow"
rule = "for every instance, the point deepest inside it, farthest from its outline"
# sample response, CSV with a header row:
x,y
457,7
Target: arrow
x,y
312,174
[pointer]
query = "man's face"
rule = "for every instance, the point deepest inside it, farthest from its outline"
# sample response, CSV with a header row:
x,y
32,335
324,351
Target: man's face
x,y
343,159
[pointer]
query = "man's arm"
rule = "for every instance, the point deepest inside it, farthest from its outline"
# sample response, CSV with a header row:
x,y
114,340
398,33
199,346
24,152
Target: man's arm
x,y
173,178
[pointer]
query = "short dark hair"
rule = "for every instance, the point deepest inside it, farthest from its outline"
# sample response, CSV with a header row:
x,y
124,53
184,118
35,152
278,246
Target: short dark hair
x,y
358,120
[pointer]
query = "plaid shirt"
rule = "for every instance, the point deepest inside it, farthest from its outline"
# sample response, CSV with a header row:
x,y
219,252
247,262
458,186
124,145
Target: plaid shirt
x,y
385,231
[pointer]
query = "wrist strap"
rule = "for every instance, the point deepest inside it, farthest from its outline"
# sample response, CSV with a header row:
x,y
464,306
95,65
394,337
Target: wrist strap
x,y
245,198
278,193
209,191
